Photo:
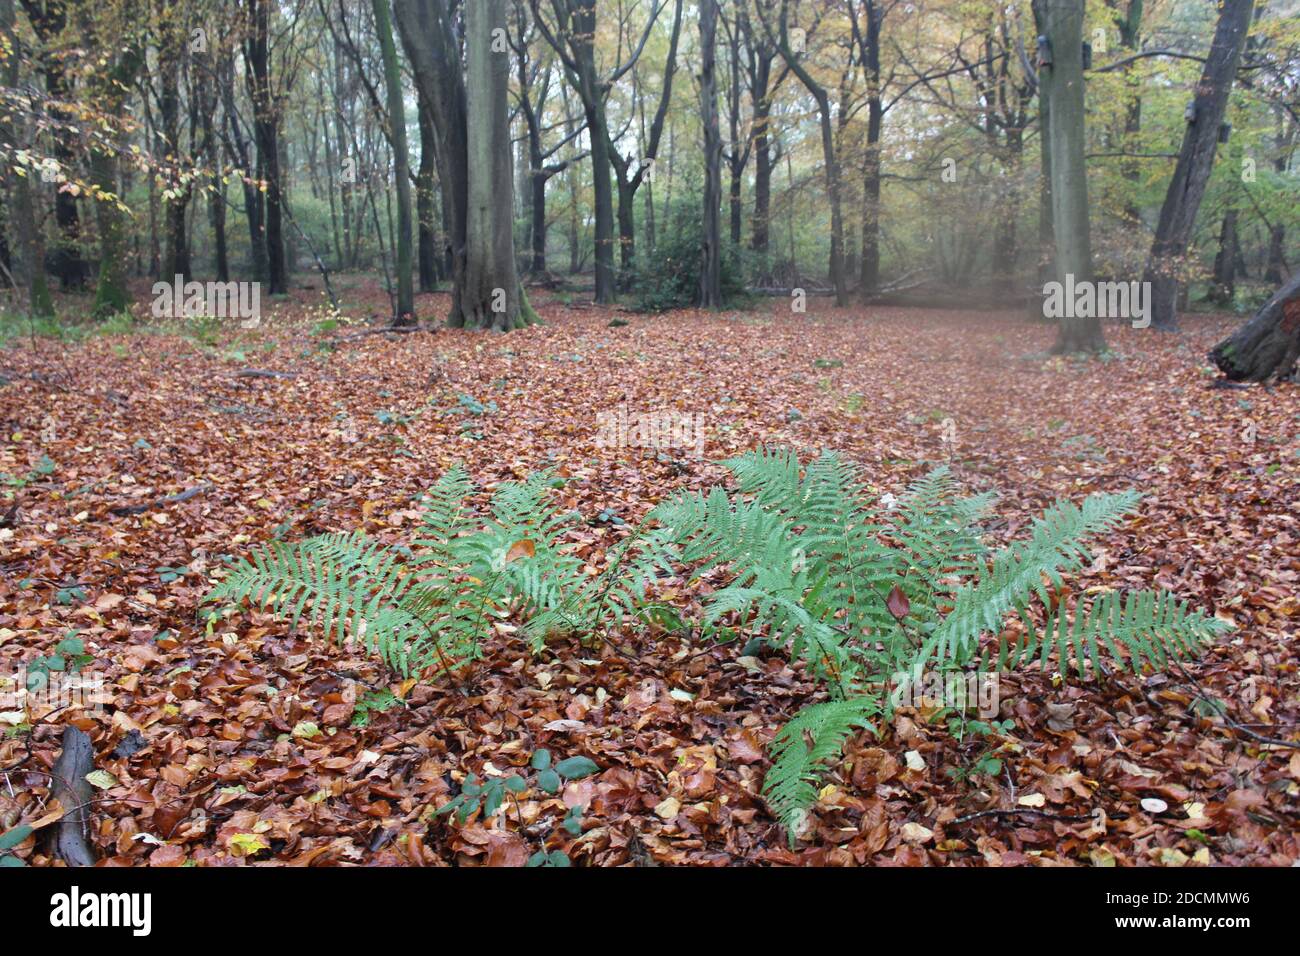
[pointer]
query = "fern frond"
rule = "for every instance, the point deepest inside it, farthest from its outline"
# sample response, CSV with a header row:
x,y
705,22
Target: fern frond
x,y
445,518
1017,573
1134,628
341,581
802,749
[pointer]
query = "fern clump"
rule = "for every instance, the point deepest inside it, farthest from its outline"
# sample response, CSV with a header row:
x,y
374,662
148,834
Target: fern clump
x,y
430,606
868,598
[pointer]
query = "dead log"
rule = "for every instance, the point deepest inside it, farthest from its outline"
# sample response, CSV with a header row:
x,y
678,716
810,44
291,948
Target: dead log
x,y
68,839
1269,344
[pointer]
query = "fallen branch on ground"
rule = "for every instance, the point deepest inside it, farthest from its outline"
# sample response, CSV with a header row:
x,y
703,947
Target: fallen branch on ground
x,y
67,839
123,510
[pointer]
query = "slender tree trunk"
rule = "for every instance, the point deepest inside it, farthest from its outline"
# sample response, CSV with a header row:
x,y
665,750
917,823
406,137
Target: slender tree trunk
x,y
237,147
1064,20
710,295
176,248
405,305
1005,251
1045,258
111,293
424,187
1224,287
217,186
869,275
1275,265
491,297
266,134
828,157
1195,161
760,226
592,95
48,20
29,246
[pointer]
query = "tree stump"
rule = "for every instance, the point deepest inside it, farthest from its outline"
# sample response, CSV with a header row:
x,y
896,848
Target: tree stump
x,y
1269,344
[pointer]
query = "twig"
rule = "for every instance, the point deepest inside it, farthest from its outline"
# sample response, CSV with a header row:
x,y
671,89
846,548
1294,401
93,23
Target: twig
x,y
123,510
263,373
1019,810
1223,712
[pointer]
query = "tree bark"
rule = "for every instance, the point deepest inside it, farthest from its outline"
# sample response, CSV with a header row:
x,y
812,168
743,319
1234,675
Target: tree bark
x,y
1195,161
405,305
49,21
29,248
1224,287
836,266
1269,344
1065,102
424,187
176,200
237,150
67,839
433,48
472,122
710,294
111,293
869,42
257,54
490,298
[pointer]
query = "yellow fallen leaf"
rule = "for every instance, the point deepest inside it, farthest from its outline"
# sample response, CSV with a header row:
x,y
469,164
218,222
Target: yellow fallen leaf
x,y
1032,800
101,779
1101,856
668,808
246,844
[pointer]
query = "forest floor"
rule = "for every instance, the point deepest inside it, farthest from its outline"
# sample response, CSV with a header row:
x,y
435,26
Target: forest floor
x,y
243,744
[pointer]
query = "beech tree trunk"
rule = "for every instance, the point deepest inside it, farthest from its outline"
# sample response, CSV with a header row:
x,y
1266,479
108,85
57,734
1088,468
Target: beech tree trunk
x,y
710,296
433,48
490,298
29,248
472,122
257,54
1269,344
1070,226
1224,287
828,157
405,305
424,186
1195,161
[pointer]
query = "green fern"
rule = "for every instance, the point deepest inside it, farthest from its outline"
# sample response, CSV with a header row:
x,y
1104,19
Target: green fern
x,y
802,750
813,567
803,559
